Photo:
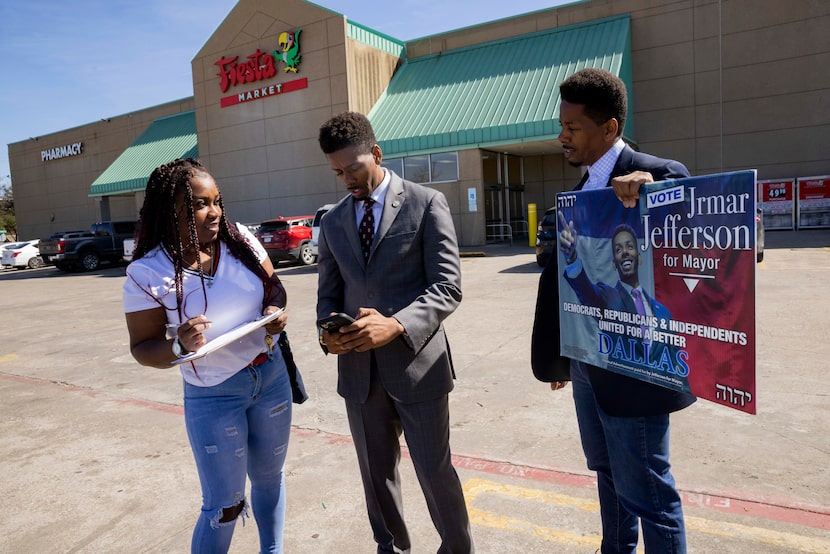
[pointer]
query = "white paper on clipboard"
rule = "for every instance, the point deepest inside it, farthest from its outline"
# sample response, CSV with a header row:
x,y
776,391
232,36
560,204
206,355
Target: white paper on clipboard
x,y
227,338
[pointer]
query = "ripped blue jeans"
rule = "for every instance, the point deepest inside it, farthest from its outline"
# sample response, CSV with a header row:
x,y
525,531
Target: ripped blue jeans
x,y
238,427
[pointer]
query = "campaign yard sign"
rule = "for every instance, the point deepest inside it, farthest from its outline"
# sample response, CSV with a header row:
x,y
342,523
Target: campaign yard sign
x,y
664,292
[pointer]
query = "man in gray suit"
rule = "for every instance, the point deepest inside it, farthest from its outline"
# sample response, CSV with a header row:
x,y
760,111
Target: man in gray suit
x,y
394,365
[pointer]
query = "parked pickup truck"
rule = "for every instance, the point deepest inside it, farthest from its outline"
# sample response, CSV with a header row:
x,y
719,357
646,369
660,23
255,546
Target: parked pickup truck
x,y
103,242
60,235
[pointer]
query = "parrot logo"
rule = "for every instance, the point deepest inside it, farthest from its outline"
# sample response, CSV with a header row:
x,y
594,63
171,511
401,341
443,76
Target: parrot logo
x,y
290,44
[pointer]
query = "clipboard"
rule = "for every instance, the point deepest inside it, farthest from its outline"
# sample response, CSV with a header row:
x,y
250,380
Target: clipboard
x,y
227,338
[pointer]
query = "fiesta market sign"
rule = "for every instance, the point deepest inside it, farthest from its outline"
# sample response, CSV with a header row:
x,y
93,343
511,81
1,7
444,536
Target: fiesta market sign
x,y
59,152
261,66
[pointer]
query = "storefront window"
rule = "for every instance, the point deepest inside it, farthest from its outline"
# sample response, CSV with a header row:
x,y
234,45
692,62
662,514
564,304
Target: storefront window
x,y
444,167
416,169
429,168
395,165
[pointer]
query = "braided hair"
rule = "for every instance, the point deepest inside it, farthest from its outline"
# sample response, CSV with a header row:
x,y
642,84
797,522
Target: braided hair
x,y
159,225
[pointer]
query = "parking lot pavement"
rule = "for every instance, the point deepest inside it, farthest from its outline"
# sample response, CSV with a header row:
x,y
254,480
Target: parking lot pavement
x,y
95,456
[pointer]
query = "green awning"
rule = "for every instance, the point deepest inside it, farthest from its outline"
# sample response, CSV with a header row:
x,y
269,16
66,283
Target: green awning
x,y
166,139
499,92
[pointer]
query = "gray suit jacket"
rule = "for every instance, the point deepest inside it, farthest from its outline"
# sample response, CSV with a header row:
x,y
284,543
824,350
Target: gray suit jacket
x,y
413,274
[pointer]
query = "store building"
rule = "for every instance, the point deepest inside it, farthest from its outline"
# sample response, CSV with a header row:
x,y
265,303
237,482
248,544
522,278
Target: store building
x,y
720,85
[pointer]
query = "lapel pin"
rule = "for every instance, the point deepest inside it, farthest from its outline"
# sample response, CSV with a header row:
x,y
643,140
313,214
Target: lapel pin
x,y
396,203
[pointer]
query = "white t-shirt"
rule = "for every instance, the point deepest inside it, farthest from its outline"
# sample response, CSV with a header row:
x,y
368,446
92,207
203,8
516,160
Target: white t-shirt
x,y
234,297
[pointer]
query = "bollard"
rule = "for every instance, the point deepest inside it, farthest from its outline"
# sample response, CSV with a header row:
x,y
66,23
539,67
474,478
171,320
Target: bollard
x,y
531,224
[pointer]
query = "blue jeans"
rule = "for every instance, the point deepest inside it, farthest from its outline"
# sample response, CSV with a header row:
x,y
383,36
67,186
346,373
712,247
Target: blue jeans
x,y
238,427
634,480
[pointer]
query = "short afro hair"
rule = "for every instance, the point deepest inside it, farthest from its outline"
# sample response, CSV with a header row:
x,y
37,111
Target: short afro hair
x,y
602,93
623,228
347,129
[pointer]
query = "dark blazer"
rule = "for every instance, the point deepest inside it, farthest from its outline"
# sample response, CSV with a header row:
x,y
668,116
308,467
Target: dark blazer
x,y
616,394
413,274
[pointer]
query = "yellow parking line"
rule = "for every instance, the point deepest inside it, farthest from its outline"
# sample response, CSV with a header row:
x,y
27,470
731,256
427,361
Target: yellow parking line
x,y
514,525
474,488
758,534
8,358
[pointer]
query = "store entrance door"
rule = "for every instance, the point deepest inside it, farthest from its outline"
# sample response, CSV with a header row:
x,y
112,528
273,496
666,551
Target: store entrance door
x,y
503,176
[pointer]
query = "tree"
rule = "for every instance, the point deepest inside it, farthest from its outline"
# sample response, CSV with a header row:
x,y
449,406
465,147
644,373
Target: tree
x,y
7,219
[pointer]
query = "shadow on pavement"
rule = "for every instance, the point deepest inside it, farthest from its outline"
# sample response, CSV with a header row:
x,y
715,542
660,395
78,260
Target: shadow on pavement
x,y
532,267
296,269
52,271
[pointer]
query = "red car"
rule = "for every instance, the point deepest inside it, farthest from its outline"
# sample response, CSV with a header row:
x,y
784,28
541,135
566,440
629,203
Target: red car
x,y
287,238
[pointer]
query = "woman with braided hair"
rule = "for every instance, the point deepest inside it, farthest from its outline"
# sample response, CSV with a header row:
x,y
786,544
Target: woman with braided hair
x,y
193,277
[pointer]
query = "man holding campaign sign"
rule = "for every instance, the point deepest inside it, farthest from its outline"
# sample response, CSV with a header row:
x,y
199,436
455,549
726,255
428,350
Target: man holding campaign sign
x,y
654,302
623,421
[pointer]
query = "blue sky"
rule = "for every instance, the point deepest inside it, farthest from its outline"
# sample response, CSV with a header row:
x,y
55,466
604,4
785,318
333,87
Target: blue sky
x,y
67,64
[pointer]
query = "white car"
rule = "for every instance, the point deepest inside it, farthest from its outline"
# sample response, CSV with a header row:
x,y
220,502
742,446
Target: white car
x,y
3,247
315,227
25,254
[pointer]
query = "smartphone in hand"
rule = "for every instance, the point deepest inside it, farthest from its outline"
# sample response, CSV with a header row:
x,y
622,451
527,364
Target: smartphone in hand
x,y
334,322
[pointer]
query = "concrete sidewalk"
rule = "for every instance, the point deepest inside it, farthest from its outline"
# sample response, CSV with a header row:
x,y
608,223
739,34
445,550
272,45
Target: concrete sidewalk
x,y
96,459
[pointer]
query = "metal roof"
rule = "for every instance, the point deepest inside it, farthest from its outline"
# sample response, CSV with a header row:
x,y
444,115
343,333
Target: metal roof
x,y
499,92
166,139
